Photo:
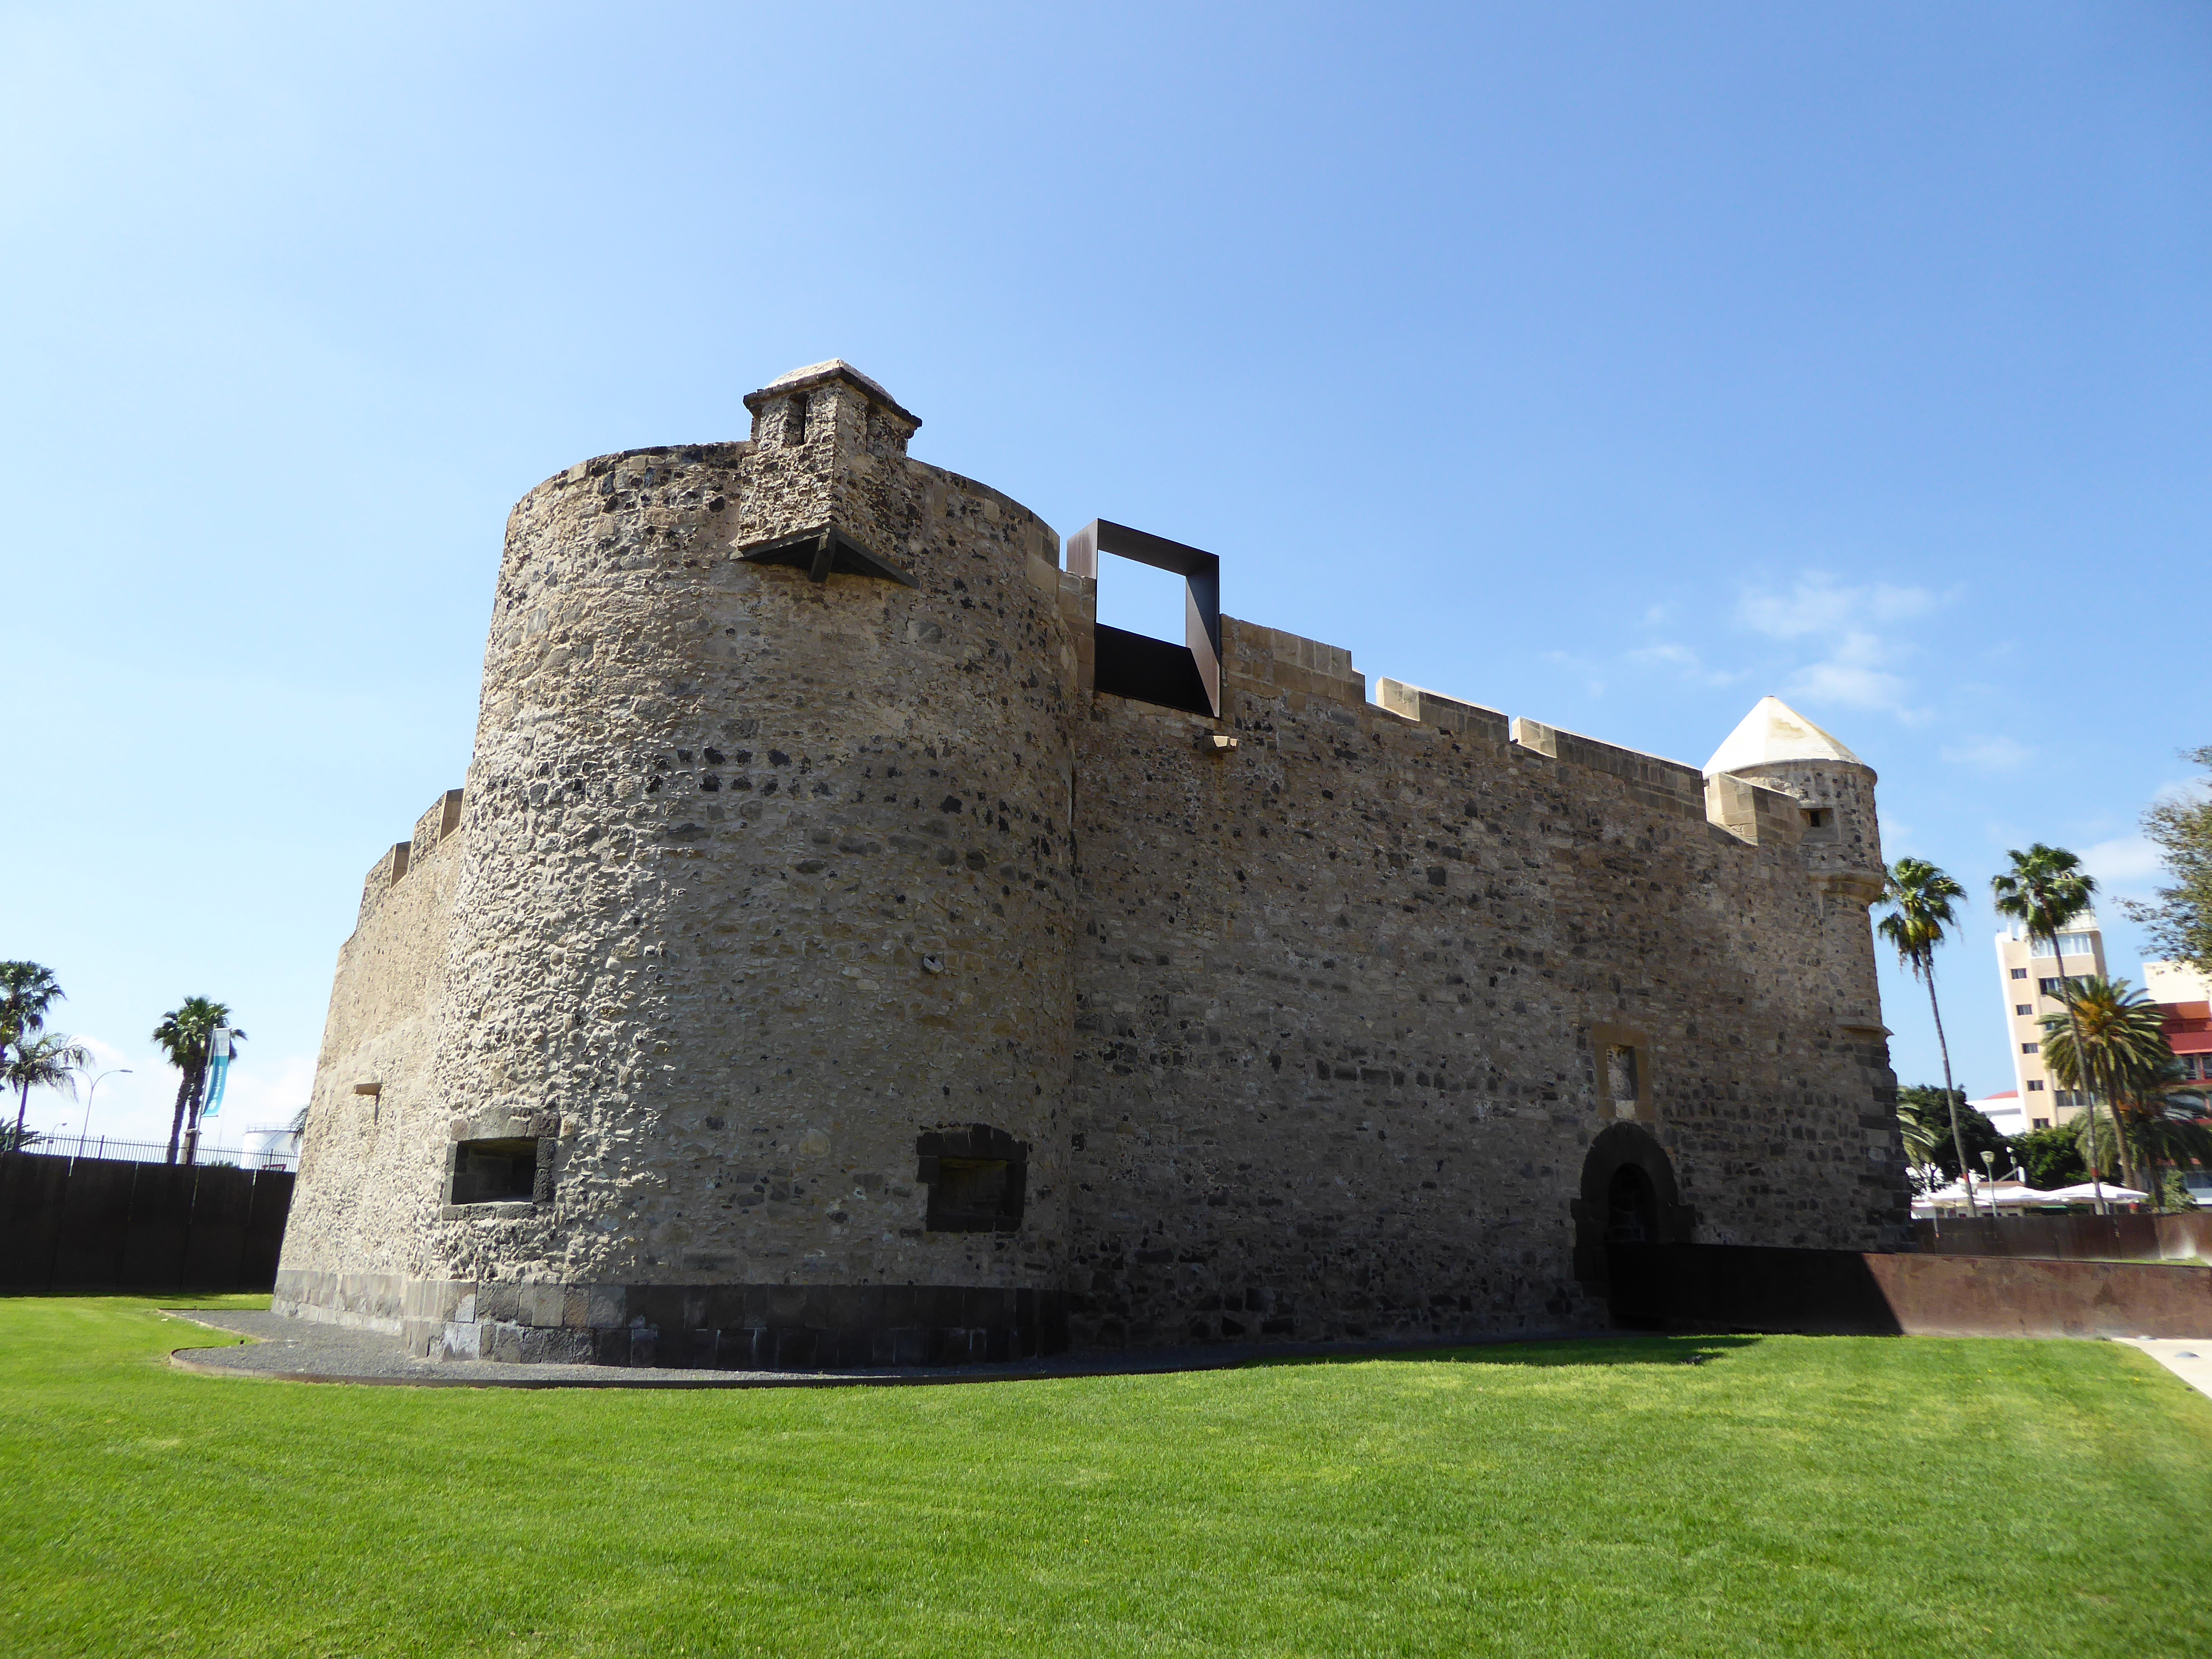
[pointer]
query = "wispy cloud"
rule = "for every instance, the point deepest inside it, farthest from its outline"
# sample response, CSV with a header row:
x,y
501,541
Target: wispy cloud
x,y
1685,661
1861,662
1593,683
1998,754
2124,865
1857,674
1818,604
2183,790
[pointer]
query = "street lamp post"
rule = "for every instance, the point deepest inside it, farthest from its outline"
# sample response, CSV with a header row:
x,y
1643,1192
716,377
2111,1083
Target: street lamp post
x,y
117,1071
1988,1174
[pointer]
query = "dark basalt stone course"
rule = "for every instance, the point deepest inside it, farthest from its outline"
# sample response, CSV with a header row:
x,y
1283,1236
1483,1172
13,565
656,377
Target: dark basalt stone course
x,y
753,1327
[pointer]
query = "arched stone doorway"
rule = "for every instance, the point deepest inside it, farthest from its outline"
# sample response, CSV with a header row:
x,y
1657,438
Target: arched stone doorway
x,y
1628,1197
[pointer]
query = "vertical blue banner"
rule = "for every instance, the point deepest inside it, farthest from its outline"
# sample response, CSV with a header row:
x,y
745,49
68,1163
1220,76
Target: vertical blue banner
x,y
218,1069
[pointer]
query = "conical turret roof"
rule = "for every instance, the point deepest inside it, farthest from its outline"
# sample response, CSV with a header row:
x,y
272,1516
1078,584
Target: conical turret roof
x,y
1774,733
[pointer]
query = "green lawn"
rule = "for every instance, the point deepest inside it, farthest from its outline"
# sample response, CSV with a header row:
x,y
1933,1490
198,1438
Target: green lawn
x,y
1789,1495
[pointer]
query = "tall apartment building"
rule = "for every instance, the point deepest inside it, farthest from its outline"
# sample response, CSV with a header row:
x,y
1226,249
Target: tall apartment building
x,y
2184,996
2030,978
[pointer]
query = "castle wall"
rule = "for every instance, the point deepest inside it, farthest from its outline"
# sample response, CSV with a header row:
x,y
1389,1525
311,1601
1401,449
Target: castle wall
x,y
353,1241
1339,1002
802,881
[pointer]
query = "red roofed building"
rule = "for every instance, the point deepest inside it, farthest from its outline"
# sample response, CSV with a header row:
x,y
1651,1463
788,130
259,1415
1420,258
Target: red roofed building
x,y
2189,1034
2003,1111
2184,998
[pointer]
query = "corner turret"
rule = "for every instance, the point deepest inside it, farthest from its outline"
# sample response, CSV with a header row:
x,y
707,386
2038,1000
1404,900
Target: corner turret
x,y
1776,748
1776,752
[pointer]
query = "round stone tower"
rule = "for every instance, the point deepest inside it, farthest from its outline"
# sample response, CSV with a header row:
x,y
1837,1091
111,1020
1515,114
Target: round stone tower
x,y
1776,748
759,1002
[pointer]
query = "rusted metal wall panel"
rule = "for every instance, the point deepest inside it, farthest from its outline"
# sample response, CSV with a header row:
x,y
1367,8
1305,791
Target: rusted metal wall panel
x,y
1845,1292
2071,1238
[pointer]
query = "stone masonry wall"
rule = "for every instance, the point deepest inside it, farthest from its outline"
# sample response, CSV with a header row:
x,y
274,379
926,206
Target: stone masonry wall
x,y
763,878
352,1243
1336,1074
771,880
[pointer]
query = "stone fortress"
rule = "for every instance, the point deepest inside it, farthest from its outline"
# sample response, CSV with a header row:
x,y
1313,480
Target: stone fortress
x,y
847,951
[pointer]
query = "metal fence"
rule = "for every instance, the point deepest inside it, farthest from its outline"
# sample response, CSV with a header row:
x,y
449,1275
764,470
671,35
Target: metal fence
x,y
262,1157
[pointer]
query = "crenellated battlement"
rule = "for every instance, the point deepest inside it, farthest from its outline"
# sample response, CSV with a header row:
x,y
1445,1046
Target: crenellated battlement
x,y
1751,813
438,823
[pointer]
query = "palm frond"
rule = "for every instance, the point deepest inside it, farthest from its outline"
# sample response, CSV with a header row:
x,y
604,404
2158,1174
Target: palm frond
x,y
46,1062
1921,915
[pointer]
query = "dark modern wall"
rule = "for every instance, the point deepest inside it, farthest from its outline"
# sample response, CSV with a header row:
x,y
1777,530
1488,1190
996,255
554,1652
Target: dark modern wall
x,y
94,1224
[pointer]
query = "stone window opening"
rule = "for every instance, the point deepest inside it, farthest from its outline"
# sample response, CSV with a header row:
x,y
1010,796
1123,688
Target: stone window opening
x,y
1136,665
795,420
502,1171
1819,818
977,1178
1622,1055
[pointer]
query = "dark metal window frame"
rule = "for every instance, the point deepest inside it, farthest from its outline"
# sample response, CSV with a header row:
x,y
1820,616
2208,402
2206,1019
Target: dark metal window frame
x,y
1137,666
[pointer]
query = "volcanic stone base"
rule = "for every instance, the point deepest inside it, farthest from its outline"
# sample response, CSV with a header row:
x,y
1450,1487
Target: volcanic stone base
x,y
732,1326
365,1302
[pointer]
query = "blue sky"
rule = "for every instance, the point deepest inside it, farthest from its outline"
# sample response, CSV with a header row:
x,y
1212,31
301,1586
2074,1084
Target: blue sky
x,y
1610,365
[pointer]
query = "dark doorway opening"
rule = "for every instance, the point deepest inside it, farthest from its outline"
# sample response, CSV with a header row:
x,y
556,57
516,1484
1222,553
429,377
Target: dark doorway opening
x,y
1632,1208
1628,1197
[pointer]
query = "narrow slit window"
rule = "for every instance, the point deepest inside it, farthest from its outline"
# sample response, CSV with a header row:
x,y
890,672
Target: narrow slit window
x,y
1621,1080
1621,1056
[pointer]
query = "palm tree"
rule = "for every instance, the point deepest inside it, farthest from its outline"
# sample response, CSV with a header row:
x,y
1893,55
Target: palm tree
x,y
42,1062
2164,1124
184,1034
2112,1042
2044,890
1920,1139
27,990
1920,896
